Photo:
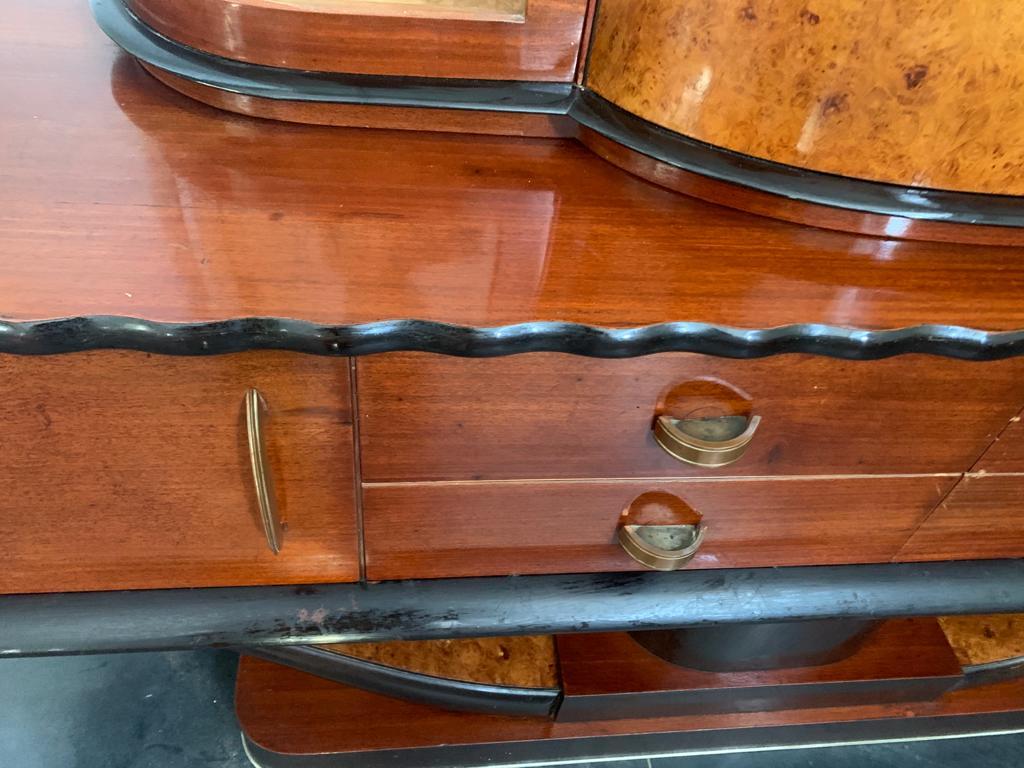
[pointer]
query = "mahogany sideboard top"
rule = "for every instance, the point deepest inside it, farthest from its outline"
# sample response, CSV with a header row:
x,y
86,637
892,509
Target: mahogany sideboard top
x,y
120,197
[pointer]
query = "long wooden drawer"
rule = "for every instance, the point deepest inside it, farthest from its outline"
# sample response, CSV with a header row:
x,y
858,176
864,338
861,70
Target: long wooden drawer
x,y
441,529
123,470
556,416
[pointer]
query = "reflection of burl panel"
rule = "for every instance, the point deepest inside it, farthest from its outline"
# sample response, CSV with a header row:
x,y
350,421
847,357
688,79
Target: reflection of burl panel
x,y
924,93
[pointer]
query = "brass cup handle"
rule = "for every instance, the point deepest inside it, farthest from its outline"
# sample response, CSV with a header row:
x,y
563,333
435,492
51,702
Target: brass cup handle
x,y
662,547
266,498
695,450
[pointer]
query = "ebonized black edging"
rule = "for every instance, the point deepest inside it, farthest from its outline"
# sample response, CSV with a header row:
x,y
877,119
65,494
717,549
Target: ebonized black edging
x,y
446,693
78,334
147,620
585,107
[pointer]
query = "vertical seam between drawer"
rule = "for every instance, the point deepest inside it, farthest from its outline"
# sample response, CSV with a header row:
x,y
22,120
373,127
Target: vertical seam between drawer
x,y
357,467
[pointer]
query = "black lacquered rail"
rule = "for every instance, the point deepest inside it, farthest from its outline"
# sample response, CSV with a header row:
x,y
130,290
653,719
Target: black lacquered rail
x,y
77,334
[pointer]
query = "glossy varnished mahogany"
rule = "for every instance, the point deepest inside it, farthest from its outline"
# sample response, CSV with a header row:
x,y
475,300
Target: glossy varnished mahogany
x,y
541,43
555,416
434,530
128,471
175,211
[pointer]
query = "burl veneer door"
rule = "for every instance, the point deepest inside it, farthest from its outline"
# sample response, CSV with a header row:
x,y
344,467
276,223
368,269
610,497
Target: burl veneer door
x,y
122,470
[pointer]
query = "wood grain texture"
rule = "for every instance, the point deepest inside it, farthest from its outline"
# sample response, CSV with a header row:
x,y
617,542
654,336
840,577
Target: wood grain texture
x,y
172,210
908,93
543,46
368,116
789,209
1006,454
425,417
983,517
130,471
525,661
437,530
985,639
293,713
611,676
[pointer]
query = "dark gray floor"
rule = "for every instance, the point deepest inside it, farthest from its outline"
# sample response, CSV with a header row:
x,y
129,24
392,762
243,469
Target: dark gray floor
x,y
174,710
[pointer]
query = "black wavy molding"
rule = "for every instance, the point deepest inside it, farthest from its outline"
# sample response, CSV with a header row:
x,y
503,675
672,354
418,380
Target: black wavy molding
x,y
49,337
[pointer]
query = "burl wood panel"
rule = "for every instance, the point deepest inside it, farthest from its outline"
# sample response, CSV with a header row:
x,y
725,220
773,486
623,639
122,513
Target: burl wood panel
x,y
985,639
542,45
610,675
436,530
526,662
925,93
983,517
122,470
425,417
291,712
150,204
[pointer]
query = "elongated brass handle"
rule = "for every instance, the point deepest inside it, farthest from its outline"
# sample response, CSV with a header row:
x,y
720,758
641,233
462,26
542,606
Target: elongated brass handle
x,y
662,547
700,451
266,499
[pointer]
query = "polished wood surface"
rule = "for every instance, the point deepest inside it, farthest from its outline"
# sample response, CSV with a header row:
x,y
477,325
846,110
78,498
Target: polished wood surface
x,y
127,471
436,530
425,417
909,93
172,210
789,209
983,517
608,676
525,662
367,116
293,713
542,46
1006,454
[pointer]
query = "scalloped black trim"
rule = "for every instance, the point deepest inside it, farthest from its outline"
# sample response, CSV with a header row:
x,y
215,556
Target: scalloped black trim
x,y
48,337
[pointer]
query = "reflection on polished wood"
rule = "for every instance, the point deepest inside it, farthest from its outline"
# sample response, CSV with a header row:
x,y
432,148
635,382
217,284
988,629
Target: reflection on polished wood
x,y
172,210
326,36
925,93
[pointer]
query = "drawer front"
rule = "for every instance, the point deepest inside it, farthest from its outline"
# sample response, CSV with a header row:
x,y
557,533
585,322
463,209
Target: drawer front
x,y
123,470
556,416
435,530
982,518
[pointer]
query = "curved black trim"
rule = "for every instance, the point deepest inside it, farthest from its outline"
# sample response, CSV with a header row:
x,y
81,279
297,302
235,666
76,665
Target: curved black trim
x,y
446,693
77,334
586,108
993,672
49,624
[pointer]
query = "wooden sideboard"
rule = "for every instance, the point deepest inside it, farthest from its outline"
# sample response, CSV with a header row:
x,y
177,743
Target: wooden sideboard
x,y
272,384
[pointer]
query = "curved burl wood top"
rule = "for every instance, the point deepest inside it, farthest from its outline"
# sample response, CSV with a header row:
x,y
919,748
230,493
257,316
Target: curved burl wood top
x,y
925,93
121,197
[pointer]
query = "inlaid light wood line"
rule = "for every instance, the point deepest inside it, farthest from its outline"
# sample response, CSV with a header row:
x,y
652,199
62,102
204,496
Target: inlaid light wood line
x,y
649,480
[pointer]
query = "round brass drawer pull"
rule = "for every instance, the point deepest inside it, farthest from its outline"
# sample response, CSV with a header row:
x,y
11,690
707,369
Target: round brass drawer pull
x,y
680,444
662,547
